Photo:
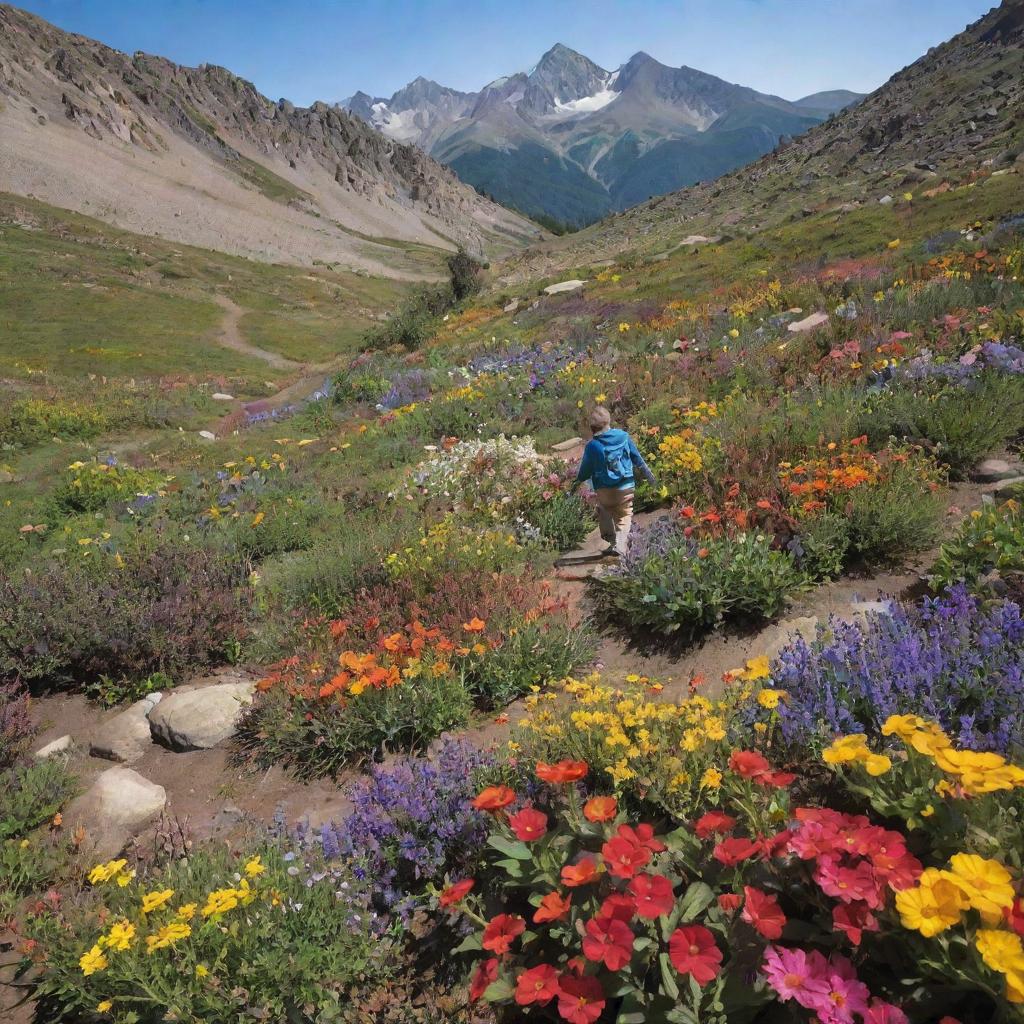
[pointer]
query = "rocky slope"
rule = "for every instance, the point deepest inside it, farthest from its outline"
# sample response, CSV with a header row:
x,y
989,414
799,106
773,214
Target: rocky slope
x,y
198,155
574,141
955,113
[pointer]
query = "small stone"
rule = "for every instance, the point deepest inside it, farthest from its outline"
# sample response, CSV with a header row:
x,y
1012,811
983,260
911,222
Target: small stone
x,y
563,286
61,745
1008,486
200,717
808,323
126,737
209,435
886,200
511,307
994,469
219,396
567,446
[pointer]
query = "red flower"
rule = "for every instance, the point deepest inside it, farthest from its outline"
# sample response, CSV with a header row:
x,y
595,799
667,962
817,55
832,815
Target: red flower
x,y
580,999
642,834
600,808
763,912
748,763
485,974
713,821
537,985
564,771
529,824
624,857
653,895
608,941
880,1012
731,851
854,919
692,951
780,780
502,931
730,902
1014,915
579,874
456,892
493,799
553,907
618,906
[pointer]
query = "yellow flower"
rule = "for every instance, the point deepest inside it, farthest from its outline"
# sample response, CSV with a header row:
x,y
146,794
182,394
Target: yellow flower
x,y
894,244
125,877
167,936
155,900
877,764
119,937
201,971
104,872
711,779
93,961
770,699
104,1006
220,901
846,749
903,726
1001,950
986,884
253,867
932,906
733,333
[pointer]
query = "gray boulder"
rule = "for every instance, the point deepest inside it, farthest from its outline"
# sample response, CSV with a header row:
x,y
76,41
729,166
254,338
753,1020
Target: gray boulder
x,y
199,717
125,737
117,806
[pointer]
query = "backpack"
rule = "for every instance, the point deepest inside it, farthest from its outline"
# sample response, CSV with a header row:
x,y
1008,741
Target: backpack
x,y
618,463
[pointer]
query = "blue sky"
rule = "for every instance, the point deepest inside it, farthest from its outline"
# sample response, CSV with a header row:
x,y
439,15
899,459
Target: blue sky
x,y
317,49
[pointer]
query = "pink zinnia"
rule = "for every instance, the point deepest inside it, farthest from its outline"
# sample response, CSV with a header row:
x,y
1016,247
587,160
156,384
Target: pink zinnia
x,y
846,994
797,974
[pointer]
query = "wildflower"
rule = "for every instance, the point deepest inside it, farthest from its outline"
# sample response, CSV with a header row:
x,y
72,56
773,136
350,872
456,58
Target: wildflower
x,y
986,885
104,872
92,961
758,668
537,985
103,1006
881,1012
624,857
120,936
763,913
474,625
485,975
581,873
652,894
580,998
847,995
797,974
608,941
502,931
732,851
456,892
711,779
186,912
932,906
529,824
493,799
202,971
712,822
692,951
553,907
770,699
730,902
167,936
853,919
600,808
156,899
618,906
563,772
1002,951
254,866
220,901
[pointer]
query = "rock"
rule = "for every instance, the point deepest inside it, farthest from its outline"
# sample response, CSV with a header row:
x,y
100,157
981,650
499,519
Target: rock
x,y
118,805
994,469
567,446
7,477
563,286
1007,486
808,323
200,717
787,631
209,435
864,609
886,200
511,307
219,396
126,737
694,240
61,745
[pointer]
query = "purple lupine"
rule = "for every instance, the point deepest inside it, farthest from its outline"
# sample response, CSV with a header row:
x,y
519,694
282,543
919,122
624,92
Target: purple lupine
x,y
950,659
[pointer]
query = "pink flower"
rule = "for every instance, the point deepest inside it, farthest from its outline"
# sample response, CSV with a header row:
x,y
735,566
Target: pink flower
x,y
880,1012
849,885
797,974
846,994
854,919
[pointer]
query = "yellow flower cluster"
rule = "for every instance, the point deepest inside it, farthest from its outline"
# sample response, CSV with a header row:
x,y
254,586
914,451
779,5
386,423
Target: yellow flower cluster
x,y
770,297
940,898
450,545
117,869
678,454
854,749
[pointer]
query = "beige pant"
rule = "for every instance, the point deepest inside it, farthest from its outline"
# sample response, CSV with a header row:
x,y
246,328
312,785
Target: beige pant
x,y
615,515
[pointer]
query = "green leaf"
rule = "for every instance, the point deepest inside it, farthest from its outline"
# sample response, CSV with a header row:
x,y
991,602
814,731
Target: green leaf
x,y
695,901
498,991
511,847
471,943
668,980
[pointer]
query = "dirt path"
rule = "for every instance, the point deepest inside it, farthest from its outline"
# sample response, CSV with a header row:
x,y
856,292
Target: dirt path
x,y
231,337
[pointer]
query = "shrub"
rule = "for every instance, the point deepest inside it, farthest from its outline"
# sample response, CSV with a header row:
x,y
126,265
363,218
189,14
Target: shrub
x,y
821,544
671,584
563,520
30,420
353,386
950,658
990,538
410,825
414,323
464,272
16,728
33,792
94,486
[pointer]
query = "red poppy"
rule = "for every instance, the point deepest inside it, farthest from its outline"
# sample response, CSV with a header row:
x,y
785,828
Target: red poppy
x,y
600,808
624,857
553,907
731,851
608,941
687,512
748,763
537,985
564,771
456,892
730,902
653,895
529,824
579,874
644,835
502,931
493,799
580,999
712,822
763,912
485,975
780,780
1014,915
692,951
854,919
618,906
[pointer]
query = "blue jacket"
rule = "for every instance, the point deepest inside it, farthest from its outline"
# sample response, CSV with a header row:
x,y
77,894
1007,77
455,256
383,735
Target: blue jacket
x,y
609,460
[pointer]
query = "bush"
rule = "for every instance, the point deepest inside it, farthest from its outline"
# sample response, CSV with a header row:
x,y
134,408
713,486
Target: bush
x,y
16,728
950,658
415,323
464,272
675,585
92,487
821,544
33,792
991,538
563,520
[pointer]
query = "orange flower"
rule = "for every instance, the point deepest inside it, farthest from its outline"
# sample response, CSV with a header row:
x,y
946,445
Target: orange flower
x,y
393,642
474,625
583,873
339,627
456,892
563,772
553,907
493,799
600,808
338,683
763,504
